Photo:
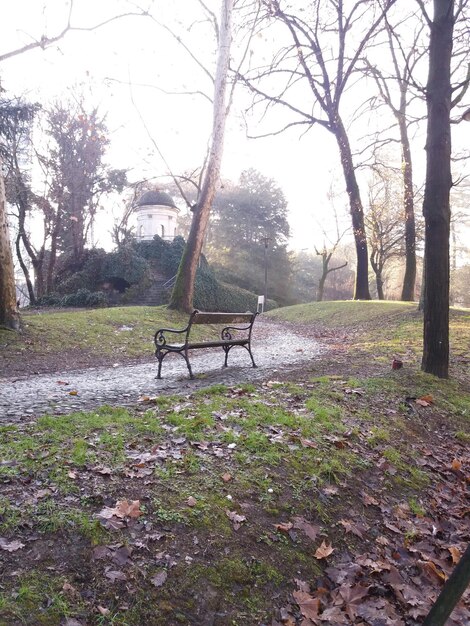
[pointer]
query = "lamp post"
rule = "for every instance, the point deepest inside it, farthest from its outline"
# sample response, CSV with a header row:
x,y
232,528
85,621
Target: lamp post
x,y
265,241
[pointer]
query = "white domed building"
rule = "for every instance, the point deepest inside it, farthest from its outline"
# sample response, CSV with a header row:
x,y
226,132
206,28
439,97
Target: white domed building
x,y
156,214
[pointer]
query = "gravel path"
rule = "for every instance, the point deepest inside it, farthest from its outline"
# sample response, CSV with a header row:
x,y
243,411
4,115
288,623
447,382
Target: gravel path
x,y
275,347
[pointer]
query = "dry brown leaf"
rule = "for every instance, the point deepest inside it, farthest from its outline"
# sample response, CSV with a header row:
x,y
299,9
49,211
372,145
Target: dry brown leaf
x,y
455,554
427,398
324,550
456,465
226,477
159,579
311,530
191,501
103,610
74,392
309,606
124,508
10,546
284,527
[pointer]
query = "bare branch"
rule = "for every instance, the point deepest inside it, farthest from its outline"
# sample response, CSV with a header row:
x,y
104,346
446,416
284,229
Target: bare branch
x,y
45,42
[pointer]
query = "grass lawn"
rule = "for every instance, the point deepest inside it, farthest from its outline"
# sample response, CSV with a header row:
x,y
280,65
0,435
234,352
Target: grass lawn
x,y
331,495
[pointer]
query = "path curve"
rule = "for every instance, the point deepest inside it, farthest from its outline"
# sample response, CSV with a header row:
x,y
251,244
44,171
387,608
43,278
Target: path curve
x,y
275,347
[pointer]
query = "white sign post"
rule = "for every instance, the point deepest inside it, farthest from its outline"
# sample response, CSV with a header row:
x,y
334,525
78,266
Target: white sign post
x,y
260,308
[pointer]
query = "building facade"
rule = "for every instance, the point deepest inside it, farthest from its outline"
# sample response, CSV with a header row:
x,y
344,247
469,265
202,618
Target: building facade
x,y
156,214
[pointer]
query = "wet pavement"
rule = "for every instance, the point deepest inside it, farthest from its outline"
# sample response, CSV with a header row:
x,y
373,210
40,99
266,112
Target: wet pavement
x,y
275,347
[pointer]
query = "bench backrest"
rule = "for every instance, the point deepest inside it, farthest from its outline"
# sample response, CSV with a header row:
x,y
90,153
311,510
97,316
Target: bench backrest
x,y
203,317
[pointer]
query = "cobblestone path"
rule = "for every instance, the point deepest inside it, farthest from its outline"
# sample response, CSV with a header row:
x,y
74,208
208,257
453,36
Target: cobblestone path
x,y
275,347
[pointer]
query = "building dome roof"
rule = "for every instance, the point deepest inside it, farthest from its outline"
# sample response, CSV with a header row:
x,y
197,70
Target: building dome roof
x,y
159,198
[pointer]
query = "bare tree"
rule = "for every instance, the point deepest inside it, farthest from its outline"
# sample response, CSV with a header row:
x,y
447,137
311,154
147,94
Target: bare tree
x,y
322,57
9,316
327,251
436,206
385,225
182,295
394,87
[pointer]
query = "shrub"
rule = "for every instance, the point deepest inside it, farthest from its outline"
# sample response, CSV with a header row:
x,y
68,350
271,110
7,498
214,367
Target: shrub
x,y
212,295
84,298
52,299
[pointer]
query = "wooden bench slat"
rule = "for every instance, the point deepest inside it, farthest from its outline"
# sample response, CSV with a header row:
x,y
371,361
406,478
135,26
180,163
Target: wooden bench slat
x,y
230,336
222,318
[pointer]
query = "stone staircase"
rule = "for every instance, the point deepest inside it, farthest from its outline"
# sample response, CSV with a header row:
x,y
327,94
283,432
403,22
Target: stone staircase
x,y
159,292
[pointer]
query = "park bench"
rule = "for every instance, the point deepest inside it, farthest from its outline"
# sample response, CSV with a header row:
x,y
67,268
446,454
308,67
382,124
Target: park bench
x,y
230,336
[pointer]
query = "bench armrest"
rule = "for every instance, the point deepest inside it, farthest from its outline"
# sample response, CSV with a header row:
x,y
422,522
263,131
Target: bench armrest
x,y
227,335
160,339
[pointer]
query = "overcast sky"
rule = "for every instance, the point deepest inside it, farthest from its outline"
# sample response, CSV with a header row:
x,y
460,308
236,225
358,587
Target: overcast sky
x,y
139,51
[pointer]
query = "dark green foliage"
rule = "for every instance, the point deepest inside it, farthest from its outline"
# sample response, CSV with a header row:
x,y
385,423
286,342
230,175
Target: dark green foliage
x,y
164,255
126,264
244,217
212,295
52,299
84,298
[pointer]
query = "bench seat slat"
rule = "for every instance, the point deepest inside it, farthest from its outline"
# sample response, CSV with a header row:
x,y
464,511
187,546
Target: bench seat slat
x,y
217,344
222,318
230,336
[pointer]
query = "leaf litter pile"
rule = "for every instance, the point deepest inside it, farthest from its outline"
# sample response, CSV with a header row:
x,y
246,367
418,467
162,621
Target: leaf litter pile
x,y
317,502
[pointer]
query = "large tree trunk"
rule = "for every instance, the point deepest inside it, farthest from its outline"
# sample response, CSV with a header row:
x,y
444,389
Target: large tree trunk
x,y
436,208
9,316
409,280
183,291
361,289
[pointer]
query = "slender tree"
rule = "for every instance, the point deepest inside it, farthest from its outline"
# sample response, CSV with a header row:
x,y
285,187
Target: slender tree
x,y
395,90
328,38
183,291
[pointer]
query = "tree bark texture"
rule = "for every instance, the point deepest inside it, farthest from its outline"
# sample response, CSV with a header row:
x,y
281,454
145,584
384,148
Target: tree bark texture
x,y
361,289
409,280
9,316
436,207
183,291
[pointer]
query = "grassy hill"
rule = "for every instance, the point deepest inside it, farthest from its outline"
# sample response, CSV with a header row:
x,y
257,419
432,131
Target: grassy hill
x,y
339,489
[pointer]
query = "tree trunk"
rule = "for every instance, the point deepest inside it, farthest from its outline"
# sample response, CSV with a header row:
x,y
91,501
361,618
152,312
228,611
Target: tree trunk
x,y
436,208
361,289
9,316
27,277
409,280
183,291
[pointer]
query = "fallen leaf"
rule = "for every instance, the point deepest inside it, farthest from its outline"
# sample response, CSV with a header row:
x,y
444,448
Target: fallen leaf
x,y
311,530
103,610
11,546
284,527
114,575
191,501
309,606
235,518
226,477
368,500
73,393
455,554
159,579
324,550
421,402
427,398
124,508
456,465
